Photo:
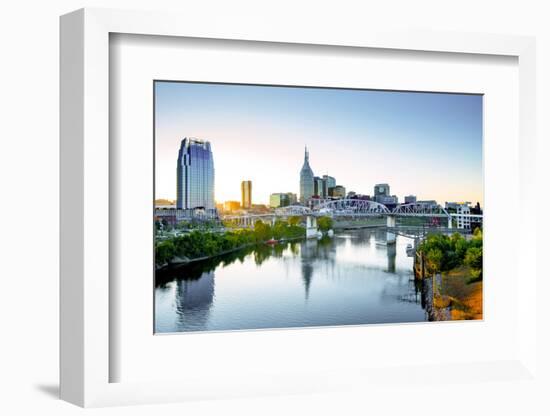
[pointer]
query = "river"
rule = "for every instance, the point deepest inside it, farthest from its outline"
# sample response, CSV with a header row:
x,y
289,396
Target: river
x,y
350,279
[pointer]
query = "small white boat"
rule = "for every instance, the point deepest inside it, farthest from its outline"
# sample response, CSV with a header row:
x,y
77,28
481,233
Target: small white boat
x,y
410,250
330,233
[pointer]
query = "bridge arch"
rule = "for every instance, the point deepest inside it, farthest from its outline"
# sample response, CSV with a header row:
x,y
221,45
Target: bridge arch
x,y
352,206
419,209
293,210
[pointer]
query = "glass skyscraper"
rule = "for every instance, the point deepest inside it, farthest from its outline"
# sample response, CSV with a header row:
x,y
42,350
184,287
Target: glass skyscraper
x,y
195,175
318,188
328,183
307,184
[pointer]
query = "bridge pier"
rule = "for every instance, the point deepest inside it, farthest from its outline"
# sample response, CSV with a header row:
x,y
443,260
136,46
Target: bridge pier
x,y
311,227
390,223
450,223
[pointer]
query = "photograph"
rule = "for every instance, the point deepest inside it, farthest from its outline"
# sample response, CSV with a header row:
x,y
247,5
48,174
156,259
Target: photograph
x,y
282,206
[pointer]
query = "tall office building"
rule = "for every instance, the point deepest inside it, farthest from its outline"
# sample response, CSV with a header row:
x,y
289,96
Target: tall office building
x,y
381,189
195,175
410,199
282,199
328,182
278,200
307,185
338,191
382,195
318,188
246,194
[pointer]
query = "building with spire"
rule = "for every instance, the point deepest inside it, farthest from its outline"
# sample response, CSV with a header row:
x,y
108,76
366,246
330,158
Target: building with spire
x,y
307,183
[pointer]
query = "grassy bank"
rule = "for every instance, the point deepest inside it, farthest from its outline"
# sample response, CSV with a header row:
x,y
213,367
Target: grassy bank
x,y
205,244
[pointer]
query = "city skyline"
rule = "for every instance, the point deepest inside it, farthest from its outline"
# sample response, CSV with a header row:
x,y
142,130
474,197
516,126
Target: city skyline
x,y
425,144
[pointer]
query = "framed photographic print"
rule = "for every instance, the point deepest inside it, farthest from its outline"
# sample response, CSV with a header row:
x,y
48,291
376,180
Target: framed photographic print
x,y
276,213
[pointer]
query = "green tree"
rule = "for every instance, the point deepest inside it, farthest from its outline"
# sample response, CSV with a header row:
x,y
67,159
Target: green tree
x,y
443,253
434,260
460,248
478,233
279,229
262,231
324,223
164,252
294,220
202,242
474,257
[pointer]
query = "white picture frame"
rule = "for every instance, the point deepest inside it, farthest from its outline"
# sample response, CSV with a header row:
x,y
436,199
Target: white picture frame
x,y
86,355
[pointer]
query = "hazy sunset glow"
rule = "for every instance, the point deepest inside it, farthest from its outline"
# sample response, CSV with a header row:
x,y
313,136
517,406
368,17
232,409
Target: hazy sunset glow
x,y
428,145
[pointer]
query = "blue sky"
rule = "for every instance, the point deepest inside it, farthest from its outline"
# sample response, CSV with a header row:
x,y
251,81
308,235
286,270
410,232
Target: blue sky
x,y
425,144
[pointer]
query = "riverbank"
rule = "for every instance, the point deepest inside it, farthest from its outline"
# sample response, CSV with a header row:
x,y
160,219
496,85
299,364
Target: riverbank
x,y
183,261
203,245
450,268
462,297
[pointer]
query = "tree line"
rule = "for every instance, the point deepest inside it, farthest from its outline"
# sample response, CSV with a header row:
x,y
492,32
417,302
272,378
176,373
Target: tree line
x,y
443,253
198,244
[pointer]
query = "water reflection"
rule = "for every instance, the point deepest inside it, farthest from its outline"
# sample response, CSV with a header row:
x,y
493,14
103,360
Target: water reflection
x,y
308,250
391,250
194,299
352,278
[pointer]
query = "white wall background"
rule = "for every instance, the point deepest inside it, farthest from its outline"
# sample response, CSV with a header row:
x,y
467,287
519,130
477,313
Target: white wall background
x,y
29,114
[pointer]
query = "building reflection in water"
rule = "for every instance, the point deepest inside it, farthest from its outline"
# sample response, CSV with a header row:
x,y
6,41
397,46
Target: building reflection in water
x,y
194,299
308,251
313,254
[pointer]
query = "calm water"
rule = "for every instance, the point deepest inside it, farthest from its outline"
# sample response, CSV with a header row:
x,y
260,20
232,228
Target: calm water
x,y
352,278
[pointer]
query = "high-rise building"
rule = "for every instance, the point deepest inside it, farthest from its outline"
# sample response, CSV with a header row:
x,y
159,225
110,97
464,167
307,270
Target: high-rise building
x,y
382,195
381,189
462,211
307,186
318,187
246,194
195,175
338,191
282,199
275,200
328,182
410,199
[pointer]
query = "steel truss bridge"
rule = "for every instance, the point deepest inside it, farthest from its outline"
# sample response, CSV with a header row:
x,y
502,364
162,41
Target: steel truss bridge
x,y
355,208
